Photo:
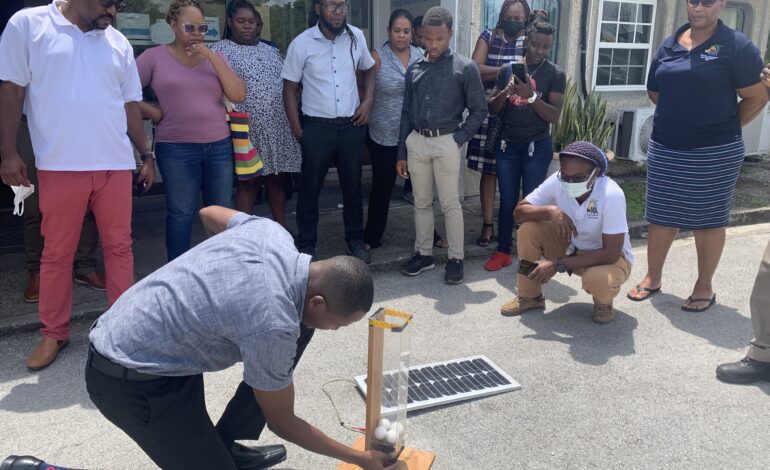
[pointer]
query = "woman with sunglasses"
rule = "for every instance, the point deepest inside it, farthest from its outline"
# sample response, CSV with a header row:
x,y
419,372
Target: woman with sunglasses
x,y
696,151
259,65
194,148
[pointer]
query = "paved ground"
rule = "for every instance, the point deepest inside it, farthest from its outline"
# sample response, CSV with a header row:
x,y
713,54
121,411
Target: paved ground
x,y
637,393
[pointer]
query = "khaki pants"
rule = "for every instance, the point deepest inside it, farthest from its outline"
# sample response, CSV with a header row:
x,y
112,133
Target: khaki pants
x,y
760,311
439,158
536,240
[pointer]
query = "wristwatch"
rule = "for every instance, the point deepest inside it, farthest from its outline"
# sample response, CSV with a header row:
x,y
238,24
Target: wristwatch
x,y
560,266
532,98
147,155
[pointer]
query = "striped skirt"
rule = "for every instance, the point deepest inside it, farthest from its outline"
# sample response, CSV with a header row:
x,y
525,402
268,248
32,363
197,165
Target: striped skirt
x,y
692,189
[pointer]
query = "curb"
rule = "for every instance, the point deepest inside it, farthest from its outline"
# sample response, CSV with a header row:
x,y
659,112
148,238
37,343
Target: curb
x,y
637,230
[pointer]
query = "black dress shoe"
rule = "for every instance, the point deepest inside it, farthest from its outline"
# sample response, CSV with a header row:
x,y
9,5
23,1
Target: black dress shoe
x,y
746,371
358,249
25,462
255,458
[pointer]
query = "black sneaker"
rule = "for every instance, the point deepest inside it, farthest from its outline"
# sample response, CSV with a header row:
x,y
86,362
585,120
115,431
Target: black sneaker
x,y
745,371
417,264
454,271
358,249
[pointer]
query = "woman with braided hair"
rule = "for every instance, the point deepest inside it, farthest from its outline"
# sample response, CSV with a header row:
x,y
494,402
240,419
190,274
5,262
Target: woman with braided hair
x,y
194,148
495,47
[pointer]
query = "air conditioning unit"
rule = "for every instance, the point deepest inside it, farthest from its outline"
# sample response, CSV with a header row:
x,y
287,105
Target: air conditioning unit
x,y
756,134
633,131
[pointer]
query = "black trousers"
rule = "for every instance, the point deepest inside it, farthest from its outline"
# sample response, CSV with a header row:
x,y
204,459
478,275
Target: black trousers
x,y
167,417
323,143
383,180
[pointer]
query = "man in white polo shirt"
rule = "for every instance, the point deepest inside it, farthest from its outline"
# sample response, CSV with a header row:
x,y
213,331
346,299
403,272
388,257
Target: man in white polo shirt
x,y
324,59
575,222
76,79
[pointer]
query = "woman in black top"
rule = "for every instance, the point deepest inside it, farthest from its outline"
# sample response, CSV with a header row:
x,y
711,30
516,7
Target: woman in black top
x,y
525,149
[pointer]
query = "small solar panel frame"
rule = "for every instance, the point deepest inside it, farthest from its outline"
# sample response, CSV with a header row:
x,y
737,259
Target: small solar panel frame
x,y
454,398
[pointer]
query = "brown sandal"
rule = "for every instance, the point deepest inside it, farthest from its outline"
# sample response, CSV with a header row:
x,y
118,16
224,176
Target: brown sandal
x,y
484,241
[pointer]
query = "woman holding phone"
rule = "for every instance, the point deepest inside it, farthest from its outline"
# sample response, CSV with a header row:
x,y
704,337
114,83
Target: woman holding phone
x,y
530,96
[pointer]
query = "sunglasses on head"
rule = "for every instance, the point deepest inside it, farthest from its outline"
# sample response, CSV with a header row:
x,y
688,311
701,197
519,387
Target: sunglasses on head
x,y
190,28
705,3
119,5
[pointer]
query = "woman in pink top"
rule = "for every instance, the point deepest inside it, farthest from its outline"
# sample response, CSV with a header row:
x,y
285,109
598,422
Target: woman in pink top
x,y
193,148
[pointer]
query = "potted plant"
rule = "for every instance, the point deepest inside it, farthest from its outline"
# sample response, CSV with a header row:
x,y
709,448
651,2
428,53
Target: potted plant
x,y
583,119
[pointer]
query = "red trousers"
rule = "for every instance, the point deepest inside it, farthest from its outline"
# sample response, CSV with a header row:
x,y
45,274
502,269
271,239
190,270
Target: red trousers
x,y
64,198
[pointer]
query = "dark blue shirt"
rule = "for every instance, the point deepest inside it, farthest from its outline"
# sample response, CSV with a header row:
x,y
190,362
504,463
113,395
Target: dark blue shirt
x,y
698,106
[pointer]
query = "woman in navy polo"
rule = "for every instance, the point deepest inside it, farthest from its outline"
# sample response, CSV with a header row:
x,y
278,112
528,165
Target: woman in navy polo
x,y
697,150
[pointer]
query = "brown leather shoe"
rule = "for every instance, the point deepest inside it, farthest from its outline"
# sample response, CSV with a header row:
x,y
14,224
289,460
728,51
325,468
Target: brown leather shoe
x,y
45,353
32,292
94,280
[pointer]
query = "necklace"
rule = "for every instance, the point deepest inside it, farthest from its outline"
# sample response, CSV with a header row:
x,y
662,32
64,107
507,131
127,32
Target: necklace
x,y
532,75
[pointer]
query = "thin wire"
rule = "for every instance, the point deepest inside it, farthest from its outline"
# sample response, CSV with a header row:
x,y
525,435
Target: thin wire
x,y
336,410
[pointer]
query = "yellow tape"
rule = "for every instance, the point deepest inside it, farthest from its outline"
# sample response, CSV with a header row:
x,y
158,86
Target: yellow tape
x,y
388,312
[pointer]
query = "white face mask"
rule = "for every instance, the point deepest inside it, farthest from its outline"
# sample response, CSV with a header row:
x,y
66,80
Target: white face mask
x,y
21,193
577,189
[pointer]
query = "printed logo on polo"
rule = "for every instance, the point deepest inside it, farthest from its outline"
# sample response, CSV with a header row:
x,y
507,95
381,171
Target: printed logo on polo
x,y
592,211
712,53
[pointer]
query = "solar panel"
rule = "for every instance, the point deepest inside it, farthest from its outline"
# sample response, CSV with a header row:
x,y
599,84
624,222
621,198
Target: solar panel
x,y
441,383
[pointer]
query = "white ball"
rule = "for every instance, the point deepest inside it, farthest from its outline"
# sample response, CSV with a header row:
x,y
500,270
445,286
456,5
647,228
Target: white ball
x,y
385,423
380,433
398,427
391,437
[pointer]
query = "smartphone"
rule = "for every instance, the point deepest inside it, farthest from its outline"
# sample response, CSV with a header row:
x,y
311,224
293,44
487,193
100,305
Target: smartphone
x,y
526,267
139,187
520,71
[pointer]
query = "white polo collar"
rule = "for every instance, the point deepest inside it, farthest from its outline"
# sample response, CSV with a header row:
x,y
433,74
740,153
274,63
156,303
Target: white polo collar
x,y
58,17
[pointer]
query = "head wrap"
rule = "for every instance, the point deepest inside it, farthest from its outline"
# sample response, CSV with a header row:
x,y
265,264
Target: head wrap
x,y
587,151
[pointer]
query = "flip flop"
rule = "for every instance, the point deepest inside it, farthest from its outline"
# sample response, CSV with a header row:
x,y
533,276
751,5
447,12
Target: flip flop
x,y
710,301
650,293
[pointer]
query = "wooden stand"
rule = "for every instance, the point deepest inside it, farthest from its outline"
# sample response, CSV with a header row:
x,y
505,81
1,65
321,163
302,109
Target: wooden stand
x,y
410,459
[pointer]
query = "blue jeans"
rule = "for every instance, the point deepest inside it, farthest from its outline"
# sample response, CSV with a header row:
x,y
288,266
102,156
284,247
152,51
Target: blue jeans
x,y
188,169
517,170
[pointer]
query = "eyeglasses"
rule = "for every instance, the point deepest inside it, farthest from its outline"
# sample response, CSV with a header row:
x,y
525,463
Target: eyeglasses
x,y
574,178
119,5
705,3
190,28
333,7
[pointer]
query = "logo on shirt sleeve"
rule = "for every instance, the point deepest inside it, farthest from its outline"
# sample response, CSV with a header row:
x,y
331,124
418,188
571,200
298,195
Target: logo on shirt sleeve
x,y
712,53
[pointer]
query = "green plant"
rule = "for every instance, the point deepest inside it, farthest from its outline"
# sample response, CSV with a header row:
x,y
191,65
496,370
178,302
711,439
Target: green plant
x,y
582,119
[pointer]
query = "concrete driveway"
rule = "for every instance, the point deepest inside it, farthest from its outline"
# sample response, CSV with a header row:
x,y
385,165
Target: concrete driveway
x,y
637,393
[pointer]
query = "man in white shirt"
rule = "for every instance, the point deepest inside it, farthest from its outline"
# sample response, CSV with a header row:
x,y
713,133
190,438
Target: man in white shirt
x,y
575,222
325,59
76,79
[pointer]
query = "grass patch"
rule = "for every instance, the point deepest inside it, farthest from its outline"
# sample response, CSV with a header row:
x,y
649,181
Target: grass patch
x,y
634,191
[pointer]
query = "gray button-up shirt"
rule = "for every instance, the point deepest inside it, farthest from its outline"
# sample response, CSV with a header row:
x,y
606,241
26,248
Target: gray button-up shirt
x,y
238,296
437,93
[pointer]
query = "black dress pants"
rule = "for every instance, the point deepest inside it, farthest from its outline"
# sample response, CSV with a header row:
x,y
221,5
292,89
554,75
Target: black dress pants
x,y
167,416
383,180
325,141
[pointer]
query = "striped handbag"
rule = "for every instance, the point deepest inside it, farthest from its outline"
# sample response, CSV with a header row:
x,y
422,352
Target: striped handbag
x,y
248,163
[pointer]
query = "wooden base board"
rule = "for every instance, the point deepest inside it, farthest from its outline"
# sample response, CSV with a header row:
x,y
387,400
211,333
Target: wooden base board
x,y
410,459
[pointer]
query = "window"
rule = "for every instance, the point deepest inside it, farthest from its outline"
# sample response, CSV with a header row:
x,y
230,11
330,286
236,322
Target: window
x,y
734,17
492,11
624,44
